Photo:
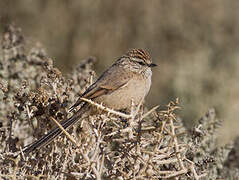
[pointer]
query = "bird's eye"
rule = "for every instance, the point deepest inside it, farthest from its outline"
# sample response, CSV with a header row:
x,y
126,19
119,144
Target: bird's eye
x,y
141,63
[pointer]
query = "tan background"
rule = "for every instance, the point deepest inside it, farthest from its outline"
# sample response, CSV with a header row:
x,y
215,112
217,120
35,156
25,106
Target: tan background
x,y
195,43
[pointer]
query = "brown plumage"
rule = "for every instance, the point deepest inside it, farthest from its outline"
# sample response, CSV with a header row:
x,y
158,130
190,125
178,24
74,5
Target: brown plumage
x,y
127,80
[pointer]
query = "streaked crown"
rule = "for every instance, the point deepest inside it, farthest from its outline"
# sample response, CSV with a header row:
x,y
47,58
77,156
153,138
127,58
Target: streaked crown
x,y
140,56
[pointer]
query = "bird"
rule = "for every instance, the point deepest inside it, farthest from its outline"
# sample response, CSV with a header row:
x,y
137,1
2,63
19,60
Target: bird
x,y
127,80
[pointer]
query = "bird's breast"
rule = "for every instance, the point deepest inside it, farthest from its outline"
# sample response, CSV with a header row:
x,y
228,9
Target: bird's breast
x,y
134,90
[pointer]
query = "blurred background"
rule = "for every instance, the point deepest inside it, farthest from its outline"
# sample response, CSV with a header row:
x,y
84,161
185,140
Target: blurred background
x,y
195,44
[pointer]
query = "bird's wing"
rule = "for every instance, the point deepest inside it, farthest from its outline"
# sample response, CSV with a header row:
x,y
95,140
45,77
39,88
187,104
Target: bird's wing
x,y
106,83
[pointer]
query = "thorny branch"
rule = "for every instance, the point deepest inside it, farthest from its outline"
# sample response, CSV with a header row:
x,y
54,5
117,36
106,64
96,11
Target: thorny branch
x,y
112,145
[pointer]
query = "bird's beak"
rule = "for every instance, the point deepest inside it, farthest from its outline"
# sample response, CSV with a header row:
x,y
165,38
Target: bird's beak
x,y
152,65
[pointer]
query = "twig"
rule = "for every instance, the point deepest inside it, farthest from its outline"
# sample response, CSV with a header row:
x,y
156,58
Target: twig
x,y
86,158
176,146
64,131
29,114
150,111
110,111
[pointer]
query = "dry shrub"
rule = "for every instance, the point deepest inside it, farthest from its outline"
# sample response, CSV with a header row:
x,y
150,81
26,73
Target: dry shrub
x,y
145,145
194,43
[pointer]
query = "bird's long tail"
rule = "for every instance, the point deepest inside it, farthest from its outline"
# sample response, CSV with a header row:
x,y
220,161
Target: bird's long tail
x,y
49,137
